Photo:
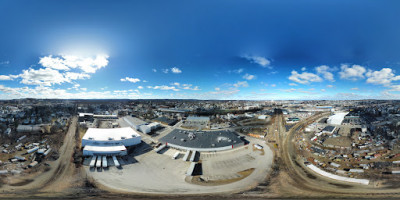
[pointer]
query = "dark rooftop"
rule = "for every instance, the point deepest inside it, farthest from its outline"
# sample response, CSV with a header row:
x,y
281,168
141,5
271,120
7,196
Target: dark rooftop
x,y
202,139
166,120
329,128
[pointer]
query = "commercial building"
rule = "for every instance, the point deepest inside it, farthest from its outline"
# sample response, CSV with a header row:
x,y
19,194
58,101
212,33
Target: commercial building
x,y
197,120
29,128
141,125
83,117
329,130
166,121
202,140
337,118
109,142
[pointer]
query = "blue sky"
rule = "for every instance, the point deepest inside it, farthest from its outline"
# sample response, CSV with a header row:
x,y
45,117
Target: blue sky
x,y
255,49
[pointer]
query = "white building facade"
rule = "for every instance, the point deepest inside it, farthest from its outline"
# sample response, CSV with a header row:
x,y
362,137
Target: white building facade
x,y
98,141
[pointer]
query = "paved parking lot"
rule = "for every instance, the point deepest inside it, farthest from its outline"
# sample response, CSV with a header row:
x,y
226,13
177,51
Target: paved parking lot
x,y
159,173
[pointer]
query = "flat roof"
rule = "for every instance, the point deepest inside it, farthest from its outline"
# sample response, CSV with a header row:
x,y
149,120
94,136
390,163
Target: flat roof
x,y
196,118
134,121
329,128
107,134
202,139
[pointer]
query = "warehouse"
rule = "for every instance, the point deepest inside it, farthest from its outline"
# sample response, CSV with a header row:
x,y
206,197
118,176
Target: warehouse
x,y
202,140
329,129
337,118
98,141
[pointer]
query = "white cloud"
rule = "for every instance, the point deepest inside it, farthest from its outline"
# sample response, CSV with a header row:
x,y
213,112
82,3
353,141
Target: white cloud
x,y
53,62
383,77
75,86
300,90
355,72
330,86
54,71
292,84
273,85
249,77
304,78
354,88
185,86
163,87
219,94
67,62
262,61
323,90
5,62
290,90
7,78
237,71
154,70
165,71
46,77
394,88
144,81
75,76
132,80
324,70
140,87
176,70
303,69
241,84
217,89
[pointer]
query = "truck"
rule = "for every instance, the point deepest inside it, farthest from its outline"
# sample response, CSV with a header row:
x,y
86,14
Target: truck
x,y
116,161
175,155
33,150
193,157
98,162
105,164
20,158
47,152
93,161
160,148
185,157
34,163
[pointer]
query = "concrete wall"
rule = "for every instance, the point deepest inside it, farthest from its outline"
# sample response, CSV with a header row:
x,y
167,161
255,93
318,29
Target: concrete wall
x,y
104,153
126,142
205,149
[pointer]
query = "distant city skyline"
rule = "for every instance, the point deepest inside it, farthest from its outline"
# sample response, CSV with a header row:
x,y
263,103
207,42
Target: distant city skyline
x,y
253,50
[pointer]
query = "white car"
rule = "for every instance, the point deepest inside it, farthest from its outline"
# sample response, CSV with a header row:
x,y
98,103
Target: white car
x,y
258,146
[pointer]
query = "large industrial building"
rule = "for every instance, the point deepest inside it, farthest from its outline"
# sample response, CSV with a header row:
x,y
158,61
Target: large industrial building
x,y
140,125
202,140
337,118
109,142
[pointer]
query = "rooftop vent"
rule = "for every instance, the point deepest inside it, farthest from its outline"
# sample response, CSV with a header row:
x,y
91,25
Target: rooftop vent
x,y
110,138
123,138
